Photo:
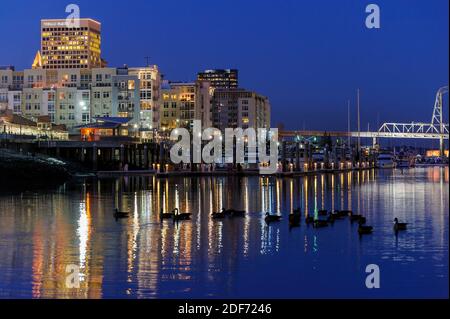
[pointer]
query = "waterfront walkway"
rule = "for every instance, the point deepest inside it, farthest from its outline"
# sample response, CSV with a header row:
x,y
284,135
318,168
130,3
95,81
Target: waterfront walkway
x,y
226,173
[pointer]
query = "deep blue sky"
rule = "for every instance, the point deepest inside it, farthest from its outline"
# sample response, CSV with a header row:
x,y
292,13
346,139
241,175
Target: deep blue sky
x,y
308,57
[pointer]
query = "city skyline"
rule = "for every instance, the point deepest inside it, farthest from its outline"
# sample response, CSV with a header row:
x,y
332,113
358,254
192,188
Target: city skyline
x,y
197,155
70,85
398,67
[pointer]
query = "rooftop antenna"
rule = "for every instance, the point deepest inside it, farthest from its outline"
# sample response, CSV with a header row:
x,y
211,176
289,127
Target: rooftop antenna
x,y
147,60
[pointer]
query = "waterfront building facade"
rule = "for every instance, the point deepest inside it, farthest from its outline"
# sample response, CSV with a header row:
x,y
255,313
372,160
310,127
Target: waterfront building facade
x,y
233,108
69,84
149,93
12,124
74,97
182,103
220,78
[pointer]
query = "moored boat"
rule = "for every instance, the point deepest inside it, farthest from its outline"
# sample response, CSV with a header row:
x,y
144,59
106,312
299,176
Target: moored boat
x,y
386,160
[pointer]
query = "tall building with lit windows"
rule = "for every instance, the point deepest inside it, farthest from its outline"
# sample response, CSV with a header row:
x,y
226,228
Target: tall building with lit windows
x,y
220,78
182,103
67,47
150,86
233,108
73,97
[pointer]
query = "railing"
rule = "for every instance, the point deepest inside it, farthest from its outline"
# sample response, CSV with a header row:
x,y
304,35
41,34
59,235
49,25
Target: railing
x,y
413,130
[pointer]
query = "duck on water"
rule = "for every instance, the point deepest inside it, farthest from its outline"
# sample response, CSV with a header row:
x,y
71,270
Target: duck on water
x,y
180,216
120,215
228,212
399,226
364,230
163,215
219,215
295,218
272,218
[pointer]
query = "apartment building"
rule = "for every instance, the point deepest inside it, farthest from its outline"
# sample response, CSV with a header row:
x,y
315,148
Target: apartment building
x,y
74,97
233,108
150,86
182,103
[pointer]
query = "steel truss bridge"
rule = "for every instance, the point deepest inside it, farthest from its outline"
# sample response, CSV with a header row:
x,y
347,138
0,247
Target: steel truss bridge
x,y
437,129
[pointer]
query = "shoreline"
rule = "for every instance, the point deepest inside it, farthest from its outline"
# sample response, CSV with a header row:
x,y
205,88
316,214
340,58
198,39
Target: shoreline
x,y
103,174
34,170
31,171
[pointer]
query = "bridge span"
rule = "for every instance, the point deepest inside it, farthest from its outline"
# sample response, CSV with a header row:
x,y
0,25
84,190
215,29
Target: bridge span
x,y
436,130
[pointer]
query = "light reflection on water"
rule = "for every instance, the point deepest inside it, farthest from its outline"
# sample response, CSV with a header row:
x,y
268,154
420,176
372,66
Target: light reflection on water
x,y
141,257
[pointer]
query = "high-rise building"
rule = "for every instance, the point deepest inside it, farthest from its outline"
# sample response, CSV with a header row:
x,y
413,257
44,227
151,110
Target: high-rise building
x,y
220,78
68,47
239,108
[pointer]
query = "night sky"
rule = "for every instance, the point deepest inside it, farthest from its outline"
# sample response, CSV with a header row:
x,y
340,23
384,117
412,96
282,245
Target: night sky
x,y
308,57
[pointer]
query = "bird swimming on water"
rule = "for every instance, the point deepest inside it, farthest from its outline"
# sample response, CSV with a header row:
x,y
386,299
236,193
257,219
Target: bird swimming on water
x,y
364,230
272,218
399,226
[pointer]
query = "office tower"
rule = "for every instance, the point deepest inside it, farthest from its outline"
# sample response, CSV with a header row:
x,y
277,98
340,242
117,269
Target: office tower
x,y
220,78
68,47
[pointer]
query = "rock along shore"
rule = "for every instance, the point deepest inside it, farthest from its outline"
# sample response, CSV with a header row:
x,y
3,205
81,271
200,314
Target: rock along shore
x,y
26,171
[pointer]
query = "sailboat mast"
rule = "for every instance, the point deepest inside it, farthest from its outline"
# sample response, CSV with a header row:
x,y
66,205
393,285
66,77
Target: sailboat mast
x,y
348,125
359,125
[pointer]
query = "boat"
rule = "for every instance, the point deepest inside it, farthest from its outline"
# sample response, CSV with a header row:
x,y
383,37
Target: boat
x,y
386,160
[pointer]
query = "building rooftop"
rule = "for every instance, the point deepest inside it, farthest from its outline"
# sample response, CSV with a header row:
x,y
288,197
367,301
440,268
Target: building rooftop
x,y
220,71
99,125
17,119
64,20
111,119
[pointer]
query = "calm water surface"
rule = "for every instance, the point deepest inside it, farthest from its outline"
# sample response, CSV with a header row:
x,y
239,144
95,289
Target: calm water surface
x,y
140,257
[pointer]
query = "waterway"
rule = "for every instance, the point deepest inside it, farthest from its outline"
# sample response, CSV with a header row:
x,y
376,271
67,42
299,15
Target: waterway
x,y
41,233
